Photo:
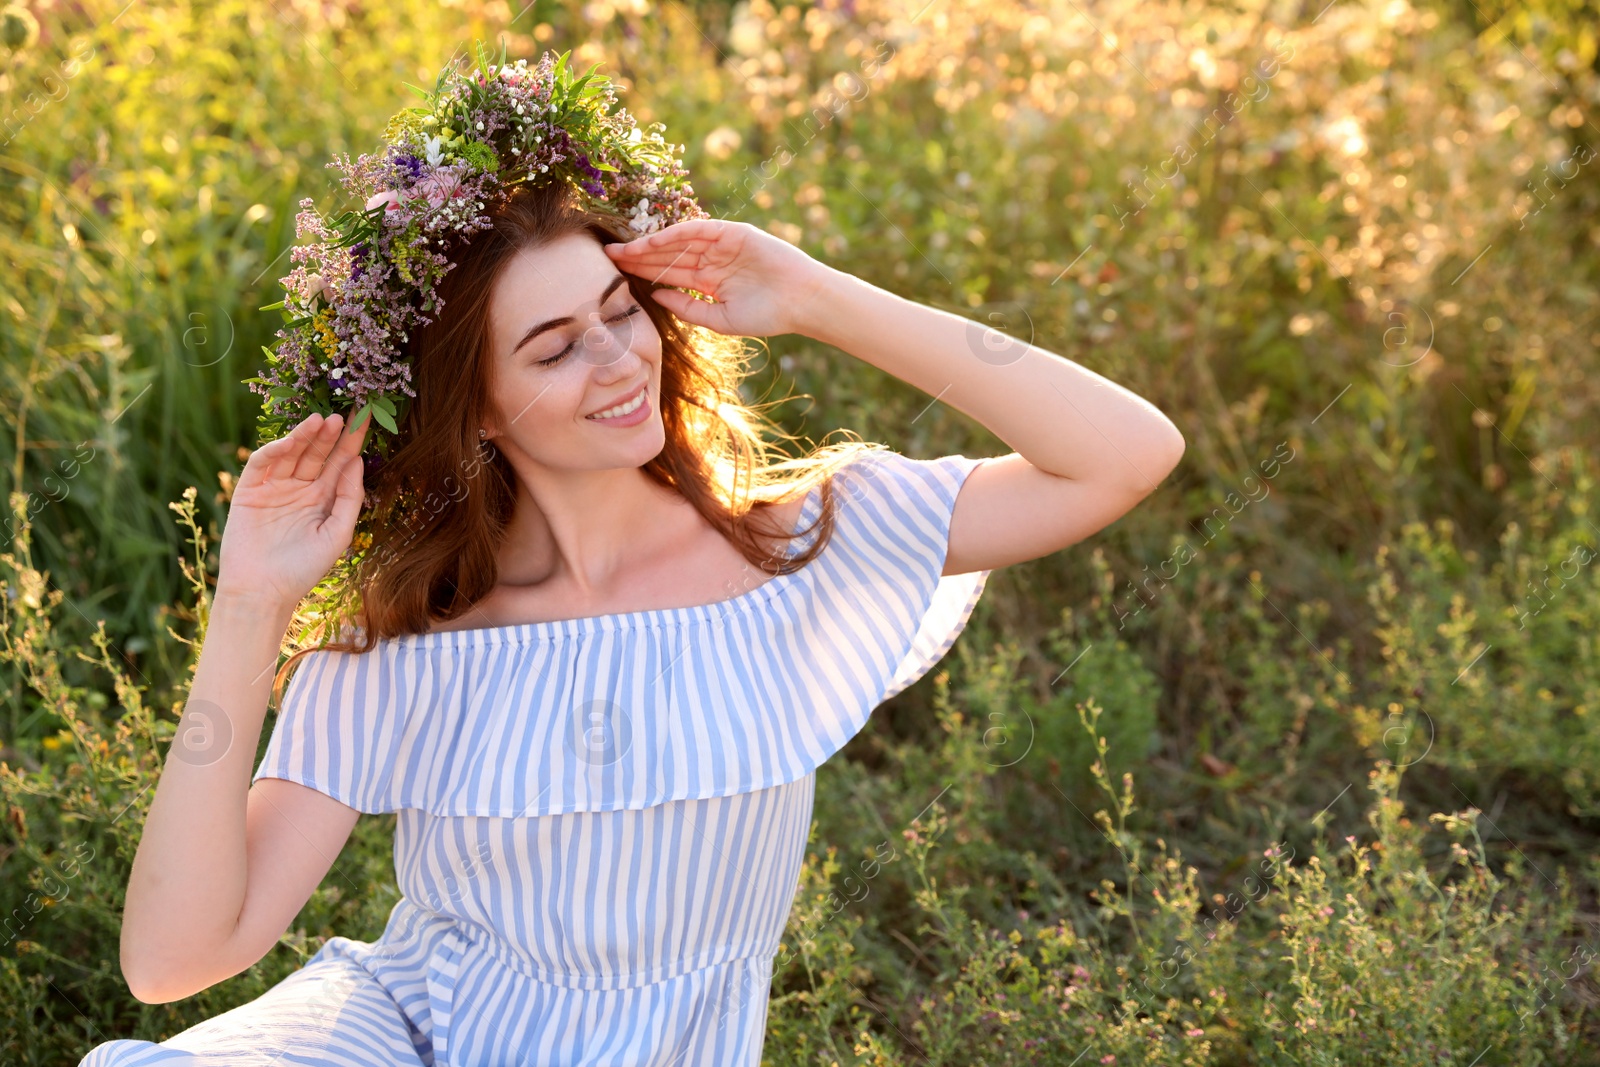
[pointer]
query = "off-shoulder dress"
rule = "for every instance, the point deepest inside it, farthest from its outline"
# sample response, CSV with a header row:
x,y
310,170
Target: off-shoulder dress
x,y
600,821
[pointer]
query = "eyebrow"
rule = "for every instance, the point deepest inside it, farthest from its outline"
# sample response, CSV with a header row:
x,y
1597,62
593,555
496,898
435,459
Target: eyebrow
x,y
556,324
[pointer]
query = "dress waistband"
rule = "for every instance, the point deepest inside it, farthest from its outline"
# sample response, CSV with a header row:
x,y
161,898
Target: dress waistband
x,y
408,918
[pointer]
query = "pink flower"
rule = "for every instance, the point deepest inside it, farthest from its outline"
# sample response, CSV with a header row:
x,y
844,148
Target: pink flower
x,y
437,187
1196,1032
316,286
388,196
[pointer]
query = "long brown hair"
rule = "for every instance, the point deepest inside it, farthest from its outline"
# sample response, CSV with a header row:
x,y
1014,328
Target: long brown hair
x,y
442,498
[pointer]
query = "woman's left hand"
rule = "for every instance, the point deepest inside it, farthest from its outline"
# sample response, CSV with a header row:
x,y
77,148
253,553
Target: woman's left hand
x,y
762,284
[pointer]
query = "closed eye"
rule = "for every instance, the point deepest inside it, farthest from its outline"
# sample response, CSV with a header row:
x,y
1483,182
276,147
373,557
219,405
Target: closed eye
x,y
567,351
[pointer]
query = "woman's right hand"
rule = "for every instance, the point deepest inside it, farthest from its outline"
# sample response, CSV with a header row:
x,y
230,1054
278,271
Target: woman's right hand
x,y
293,512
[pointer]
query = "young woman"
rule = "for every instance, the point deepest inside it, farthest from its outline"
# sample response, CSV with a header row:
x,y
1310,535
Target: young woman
x,y
594,679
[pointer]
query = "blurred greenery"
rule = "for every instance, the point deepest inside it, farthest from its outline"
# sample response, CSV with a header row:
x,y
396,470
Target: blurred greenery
x,y
1350,249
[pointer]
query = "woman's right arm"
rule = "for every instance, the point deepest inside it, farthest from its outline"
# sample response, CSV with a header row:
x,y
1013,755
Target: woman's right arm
x,y
213,845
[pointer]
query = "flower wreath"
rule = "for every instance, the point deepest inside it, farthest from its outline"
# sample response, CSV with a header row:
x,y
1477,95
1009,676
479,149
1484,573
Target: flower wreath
x,y
371,275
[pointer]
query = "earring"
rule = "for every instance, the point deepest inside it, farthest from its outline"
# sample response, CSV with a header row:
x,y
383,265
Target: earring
x,y
482,433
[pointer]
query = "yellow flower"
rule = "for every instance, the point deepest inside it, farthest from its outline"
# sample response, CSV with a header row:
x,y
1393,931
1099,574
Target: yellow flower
x,y
322,326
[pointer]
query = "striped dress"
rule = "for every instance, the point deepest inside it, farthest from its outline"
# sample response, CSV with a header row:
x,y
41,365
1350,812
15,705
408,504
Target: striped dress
x,y
600,821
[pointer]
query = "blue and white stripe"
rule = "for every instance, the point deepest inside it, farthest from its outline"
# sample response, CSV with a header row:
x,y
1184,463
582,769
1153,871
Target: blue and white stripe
x,y
601,821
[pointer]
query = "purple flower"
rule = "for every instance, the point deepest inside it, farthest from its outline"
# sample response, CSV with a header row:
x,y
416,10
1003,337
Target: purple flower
x,y
411,165
373,299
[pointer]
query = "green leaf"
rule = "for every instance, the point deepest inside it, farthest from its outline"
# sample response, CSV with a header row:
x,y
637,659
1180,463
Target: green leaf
x,y
419,91
385,419
355,420
271,307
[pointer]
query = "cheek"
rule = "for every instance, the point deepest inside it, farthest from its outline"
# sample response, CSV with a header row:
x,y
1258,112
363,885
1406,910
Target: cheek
x,y
537,396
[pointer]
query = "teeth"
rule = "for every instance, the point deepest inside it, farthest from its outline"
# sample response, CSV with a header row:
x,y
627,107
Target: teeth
x,y
622,409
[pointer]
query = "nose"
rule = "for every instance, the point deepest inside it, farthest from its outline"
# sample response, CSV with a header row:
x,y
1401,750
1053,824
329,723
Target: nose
x,y
607,344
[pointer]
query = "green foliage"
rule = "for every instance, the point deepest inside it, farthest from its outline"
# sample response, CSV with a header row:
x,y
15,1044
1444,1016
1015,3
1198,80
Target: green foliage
x,y
1497,667
1403,948
1366,294
75,802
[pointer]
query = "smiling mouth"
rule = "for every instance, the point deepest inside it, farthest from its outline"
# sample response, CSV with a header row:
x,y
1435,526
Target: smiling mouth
x,y
626,407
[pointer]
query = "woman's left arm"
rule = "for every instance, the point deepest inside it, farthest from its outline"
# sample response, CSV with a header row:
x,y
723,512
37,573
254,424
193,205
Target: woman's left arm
x,y
1087,450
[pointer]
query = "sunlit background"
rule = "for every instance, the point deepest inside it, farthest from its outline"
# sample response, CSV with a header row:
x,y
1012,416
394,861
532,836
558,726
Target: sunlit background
x,y
1345,663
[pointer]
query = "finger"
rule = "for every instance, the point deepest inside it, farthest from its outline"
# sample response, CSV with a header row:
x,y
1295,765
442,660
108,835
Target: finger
x,y
677,277
318,449
345,452
666,258
695,312
680,273
666,250
341,449
282,462
702,228
683,233
347,497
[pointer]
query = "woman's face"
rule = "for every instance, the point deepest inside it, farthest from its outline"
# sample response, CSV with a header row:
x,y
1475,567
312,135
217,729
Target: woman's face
x,y
571,346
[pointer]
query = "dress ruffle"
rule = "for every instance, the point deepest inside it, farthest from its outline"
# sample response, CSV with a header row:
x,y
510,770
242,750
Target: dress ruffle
x,y
636,709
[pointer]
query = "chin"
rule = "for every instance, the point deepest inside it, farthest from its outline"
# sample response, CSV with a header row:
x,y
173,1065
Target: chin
x,y
635,445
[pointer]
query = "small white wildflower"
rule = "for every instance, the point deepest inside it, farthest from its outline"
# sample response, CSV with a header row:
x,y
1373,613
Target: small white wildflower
x,y
480,125
337,373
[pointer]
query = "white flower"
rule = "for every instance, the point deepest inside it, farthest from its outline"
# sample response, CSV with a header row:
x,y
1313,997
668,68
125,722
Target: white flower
x,y
337,373
641,220
435,151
